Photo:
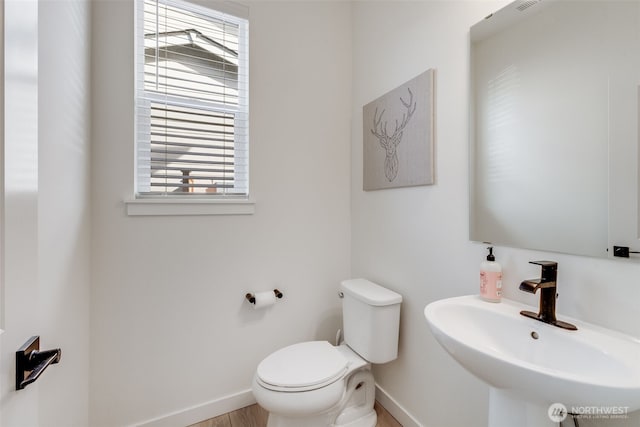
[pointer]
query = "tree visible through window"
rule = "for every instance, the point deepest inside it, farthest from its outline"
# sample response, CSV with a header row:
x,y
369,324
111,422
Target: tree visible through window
x,y
191,101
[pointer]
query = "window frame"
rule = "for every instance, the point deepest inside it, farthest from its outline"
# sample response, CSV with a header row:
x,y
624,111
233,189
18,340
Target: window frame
x,y
195,203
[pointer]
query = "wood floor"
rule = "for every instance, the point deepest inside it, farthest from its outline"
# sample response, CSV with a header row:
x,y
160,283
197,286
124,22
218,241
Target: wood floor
x,y
255,416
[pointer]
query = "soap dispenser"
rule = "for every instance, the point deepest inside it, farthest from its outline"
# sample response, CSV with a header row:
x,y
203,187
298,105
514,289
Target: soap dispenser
x,y
490,278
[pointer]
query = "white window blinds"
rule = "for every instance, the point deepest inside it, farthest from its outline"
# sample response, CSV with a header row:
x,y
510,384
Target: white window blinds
x,y
191,101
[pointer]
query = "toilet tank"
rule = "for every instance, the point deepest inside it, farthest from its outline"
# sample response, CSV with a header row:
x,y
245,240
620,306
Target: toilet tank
x,y
371,317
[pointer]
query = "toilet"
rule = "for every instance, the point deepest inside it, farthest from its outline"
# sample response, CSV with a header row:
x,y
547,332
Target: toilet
x,y
317,384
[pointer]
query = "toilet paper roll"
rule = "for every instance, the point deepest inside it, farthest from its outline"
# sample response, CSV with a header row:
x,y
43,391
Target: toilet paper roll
x,y
264,299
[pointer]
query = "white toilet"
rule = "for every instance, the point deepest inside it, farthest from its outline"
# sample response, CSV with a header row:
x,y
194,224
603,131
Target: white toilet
x,y
315,384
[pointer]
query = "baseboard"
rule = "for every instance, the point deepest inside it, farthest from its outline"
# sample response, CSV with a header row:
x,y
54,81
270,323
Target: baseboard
x,y
395,409
204,411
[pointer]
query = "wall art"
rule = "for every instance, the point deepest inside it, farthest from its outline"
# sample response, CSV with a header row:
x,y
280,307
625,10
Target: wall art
x,y
398,136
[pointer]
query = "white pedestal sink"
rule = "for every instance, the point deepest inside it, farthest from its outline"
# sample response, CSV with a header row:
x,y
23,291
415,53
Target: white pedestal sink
x,y
531,365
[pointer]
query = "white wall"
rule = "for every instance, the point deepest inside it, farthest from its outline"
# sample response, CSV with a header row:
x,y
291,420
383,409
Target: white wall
x,y
170,326
415,240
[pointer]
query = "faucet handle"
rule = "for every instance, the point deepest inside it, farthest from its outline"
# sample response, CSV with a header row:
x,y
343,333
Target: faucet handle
x,y
545,264
549,270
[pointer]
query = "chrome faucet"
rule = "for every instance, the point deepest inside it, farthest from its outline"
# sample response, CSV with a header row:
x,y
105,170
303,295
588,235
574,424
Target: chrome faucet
x,y
547,284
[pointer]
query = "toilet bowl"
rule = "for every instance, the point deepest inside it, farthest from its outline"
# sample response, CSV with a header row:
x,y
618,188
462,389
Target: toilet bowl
x,y
316,384
319,382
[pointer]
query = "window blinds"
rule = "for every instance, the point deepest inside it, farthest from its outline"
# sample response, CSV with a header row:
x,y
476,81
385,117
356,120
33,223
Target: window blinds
x,y
191,101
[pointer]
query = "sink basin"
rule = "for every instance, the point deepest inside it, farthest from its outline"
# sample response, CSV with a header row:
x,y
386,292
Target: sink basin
x,y
536,363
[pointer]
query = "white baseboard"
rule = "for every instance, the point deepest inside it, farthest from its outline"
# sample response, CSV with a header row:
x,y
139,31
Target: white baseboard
x,y
204,411
241,399
395,409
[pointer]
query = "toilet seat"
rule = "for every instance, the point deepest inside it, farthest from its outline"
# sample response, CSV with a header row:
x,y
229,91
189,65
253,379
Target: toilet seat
x,y
302,367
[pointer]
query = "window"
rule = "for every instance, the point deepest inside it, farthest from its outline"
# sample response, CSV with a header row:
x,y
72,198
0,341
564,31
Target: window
x,y
191,101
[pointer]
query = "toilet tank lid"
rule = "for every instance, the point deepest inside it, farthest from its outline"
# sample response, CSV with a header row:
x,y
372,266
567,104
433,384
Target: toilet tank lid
x,y
370,293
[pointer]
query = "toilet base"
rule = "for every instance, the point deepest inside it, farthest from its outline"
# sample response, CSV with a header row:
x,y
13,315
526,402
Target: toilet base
x,y
368,420
276,420
324,420
355,409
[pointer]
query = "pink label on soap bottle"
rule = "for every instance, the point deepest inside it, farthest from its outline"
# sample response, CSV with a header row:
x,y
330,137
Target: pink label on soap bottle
x,y
491,285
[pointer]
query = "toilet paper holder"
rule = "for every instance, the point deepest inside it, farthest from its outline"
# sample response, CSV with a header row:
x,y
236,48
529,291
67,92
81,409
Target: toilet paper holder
x,y
252,299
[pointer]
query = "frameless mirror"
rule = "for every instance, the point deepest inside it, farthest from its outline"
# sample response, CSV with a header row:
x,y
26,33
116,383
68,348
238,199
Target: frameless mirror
x,y
554,126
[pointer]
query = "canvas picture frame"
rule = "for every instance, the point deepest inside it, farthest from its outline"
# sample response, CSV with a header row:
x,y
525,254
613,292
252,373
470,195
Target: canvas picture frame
x,y
399,136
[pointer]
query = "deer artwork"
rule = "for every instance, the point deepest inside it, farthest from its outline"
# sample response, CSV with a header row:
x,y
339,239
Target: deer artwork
x,y
390,142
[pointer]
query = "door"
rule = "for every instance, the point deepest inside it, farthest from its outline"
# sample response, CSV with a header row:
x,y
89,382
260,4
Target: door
x,y
19,305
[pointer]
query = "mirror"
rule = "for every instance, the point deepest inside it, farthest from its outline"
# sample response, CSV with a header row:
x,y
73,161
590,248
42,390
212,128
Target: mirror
x,y
554,126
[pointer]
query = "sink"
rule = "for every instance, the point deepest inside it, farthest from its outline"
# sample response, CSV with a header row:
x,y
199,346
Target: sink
x,y
530,365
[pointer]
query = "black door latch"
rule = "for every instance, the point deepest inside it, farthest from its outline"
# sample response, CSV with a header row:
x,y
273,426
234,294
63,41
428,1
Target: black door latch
x,y
31,362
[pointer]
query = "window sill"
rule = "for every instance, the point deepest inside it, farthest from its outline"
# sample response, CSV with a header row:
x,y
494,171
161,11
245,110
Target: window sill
x,y
168,207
